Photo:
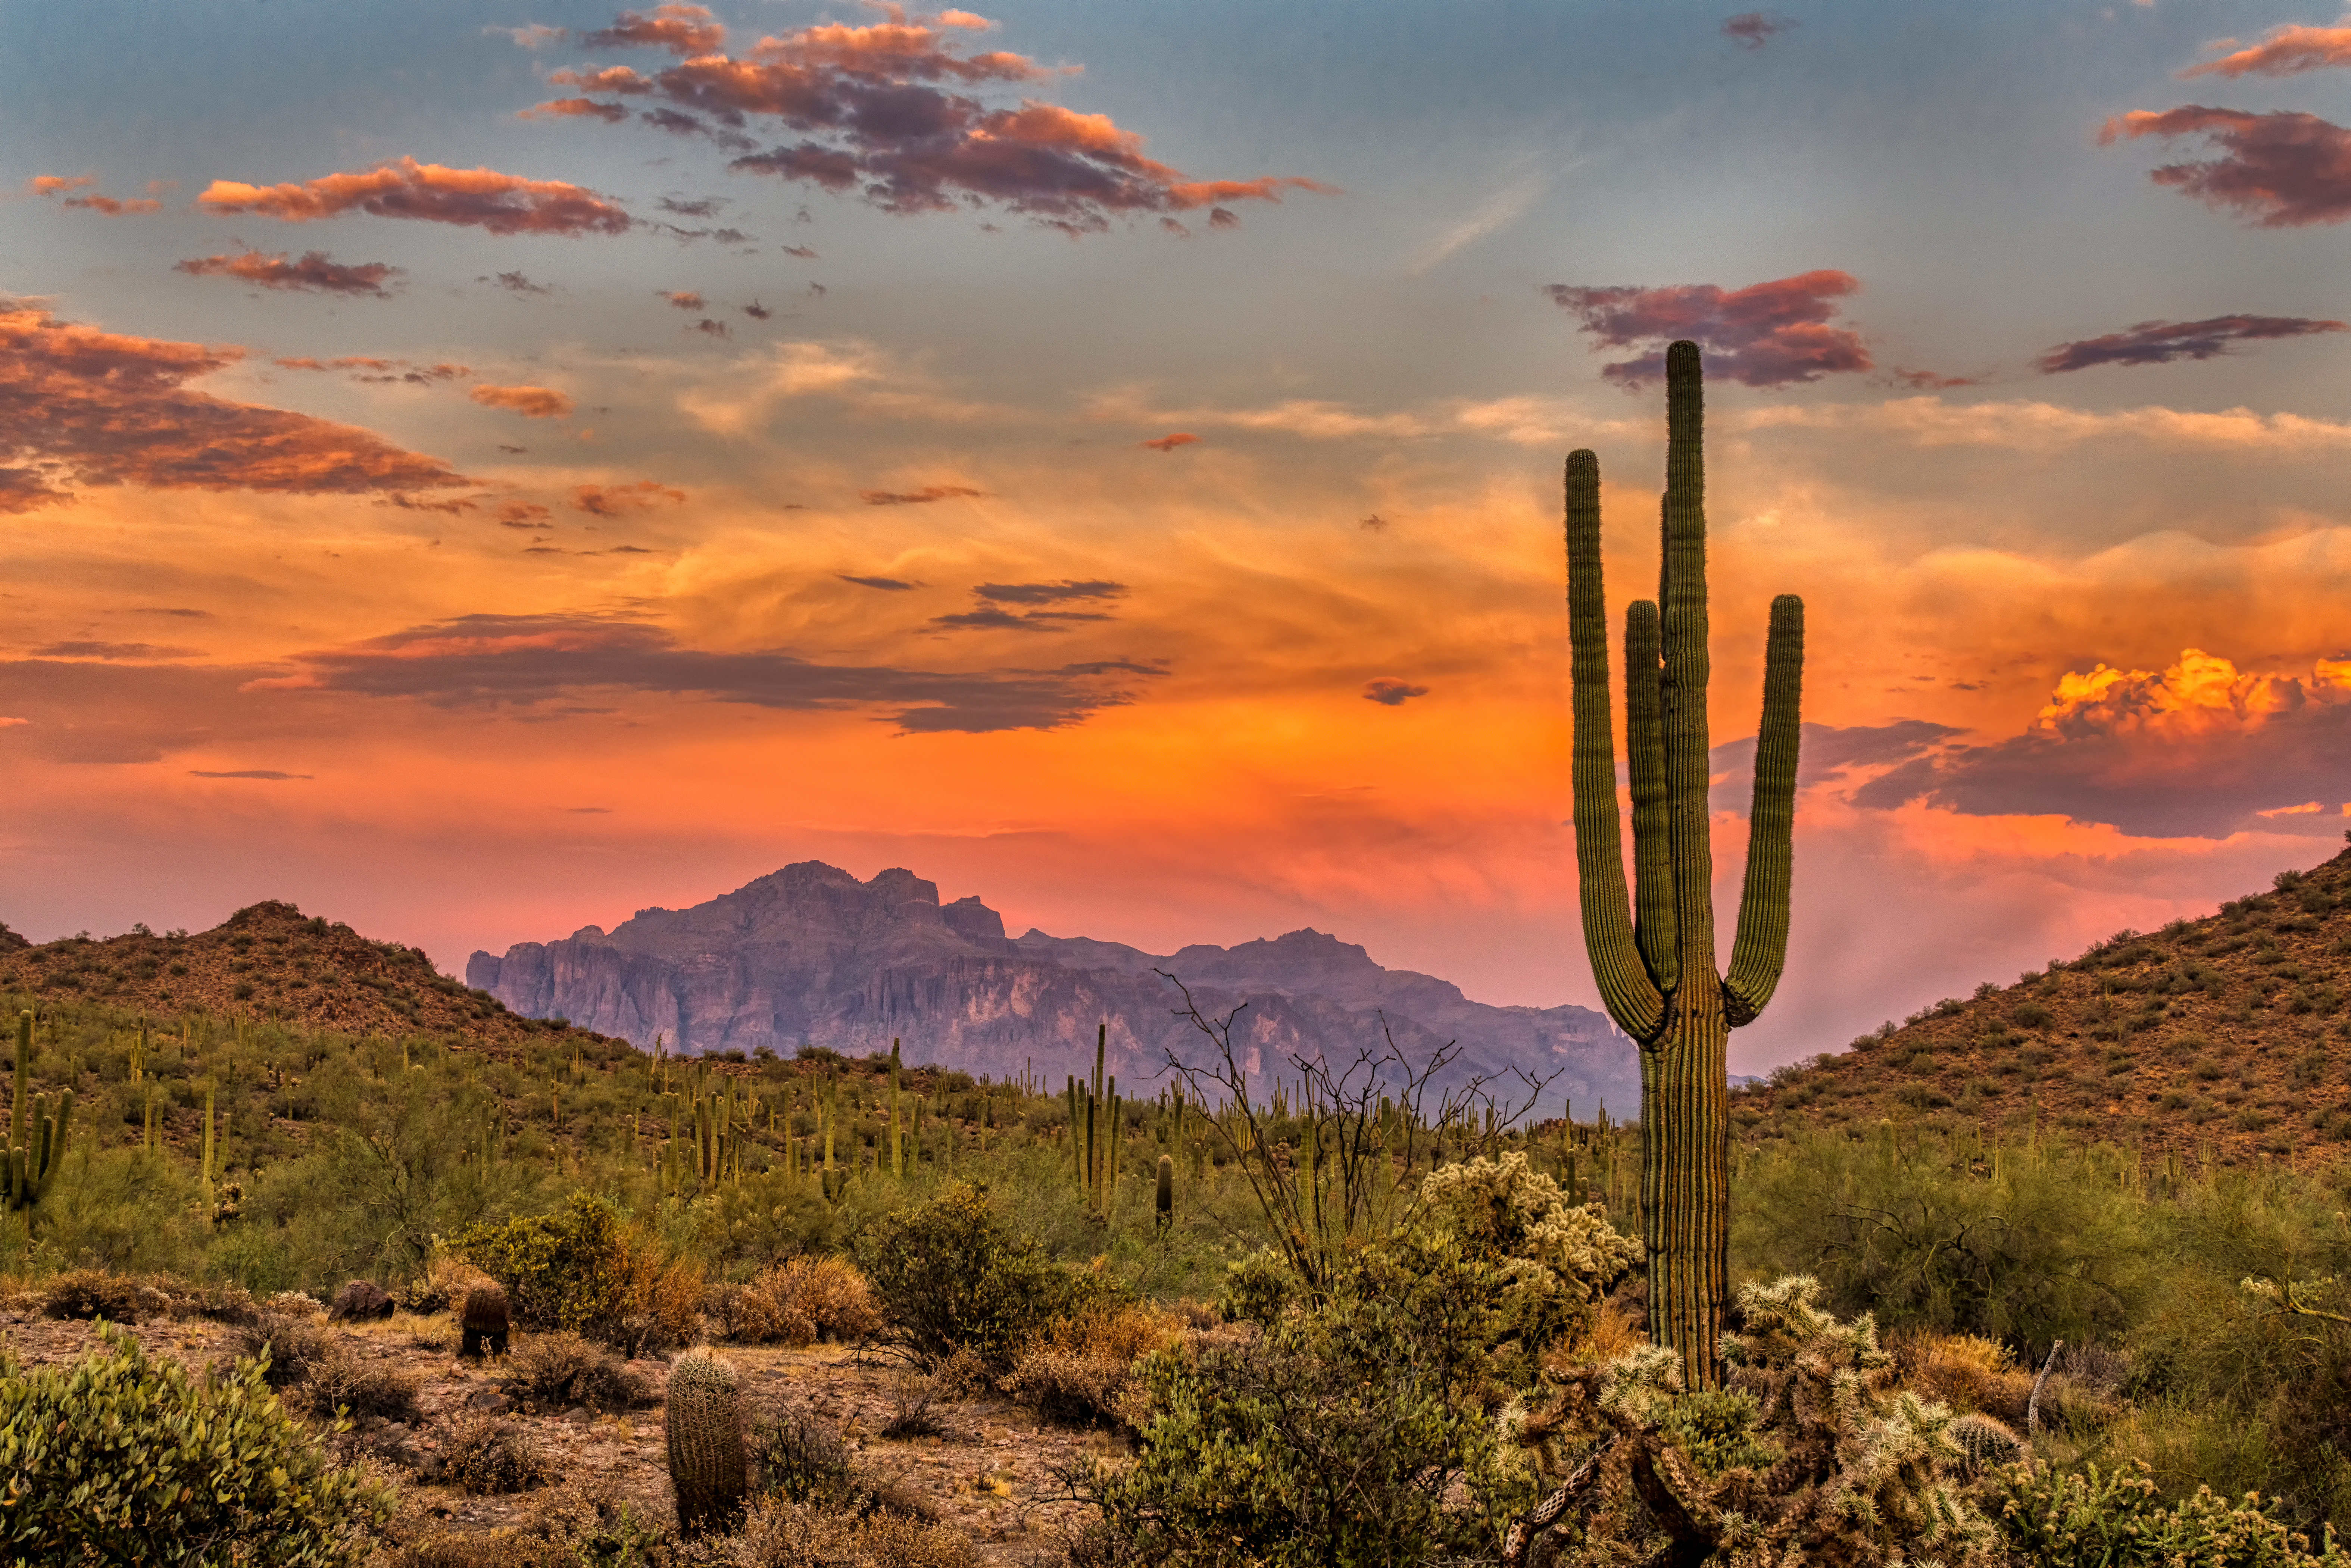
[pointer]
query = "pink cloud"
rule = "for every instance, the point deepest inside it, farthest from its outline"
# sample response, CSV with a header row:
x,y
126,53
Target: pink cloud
x,y
2161,342
681,29
59,185
1766,335
83,407
1753,29
574,108
875,112
531,403
2281,170
1170,443
313,273
479,198
2287,51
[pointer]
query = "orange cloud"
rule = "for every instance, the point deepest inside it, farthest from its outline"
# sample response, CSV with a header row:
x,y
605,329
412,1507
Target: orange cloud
x,y
113,208
684,299
314,273
574,108
611,79
524,515
2287,51
479,198
2282,170
1170,443
57,184
928,493
531,403
369,369
82,407
620,500
870,116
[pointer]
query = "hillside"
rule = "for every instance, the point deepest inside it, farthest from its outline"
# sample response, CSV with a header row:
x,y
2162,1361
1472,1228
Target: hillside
x,y
267,962
811,955
2223,1038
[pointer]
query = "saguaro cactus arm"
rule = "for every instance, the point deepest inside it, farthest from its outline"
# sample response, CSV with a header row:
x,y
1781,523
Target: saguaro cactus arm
x,y
1645,747
1632,995
1760,949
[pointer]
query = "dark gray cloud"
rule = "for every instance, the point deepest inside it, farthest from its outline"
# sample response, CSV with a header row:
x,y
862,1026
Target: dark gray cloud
x,y
522,660
887,584
1049,592
2161,342
1826,751
89,650
1392,692
270,774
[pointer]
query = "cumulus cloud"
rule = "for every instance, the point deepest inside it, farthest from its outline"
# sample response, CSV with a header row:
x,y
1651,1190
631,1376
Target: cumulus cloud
x,y
527,661
1389,692
923,497
1772,334
2287,51
2281,170
2200,749
313,272
1170,443
478,198
80,407
877,112
531,403
2161,342
1753,29
621,500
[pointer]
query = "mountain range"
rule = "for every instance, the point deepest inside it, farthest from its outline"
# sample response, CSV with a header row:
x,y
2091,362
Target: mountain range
x,y
811,956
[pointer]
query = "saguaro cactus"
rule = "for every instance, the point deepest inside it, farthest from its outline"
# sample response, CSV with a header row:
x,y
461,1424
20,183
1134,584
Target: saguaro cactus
x,y
708,1468
1654,962
36,1146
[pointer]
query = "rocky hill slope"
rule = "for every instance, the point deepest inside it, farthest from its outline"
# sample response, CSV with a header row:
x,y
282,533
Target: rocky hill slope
x,y
2223,1038
809,954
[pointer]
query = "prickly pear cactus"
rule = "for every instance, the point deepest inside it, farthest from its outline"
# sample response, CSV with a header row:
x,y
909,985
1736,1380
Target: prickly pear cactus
x,y
708,1469
485,1320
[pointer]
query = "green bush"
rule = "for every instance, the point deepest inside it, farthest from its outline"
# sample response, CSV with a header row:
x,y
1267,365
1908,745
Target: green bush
x,y
568,1269
118,1458
2116,1520
951,1278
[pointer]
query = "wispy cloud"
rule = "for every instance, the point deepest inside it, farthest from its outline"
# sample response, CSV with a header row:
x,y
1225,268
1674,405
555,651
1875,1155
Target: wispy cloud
x,y
1490,218
531,403
313,272
477,198
2161,342
2287,51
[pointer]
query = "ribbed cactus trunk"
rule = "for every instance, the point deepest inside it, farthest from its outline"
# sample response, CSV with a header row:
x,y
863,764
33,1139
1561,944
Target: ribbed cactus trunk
x,y
1655,959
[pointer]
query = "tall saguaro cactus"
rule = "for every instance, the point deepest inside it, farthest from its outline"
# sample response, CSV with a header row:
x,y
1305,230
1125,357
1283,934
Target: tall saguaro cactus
x,y
1655,961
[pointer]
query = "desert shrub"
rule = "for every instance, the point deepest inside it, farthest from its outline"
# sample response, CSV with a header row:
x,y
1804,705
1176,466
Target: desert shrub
x,y
362,1385
119,1458
579,1524
486,1454
800,1457
441,1284
97,1293
913,1409
1964,1373
780,1533
564,1369
561,1270
1075,1371
829,1292
292,1343
2090,1520
747,1314
950,1277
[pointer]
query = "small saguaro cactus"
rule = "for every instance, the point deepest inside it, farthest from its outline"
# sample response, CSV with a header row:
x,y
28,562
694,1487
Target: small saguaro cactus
x,y
484,1321
37,1145
1165,1202
1654,962
708,1469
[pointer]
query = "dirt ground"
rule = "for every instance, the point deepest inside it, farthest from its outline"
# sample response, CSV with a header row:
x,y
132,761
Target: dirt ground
x,y
989,1477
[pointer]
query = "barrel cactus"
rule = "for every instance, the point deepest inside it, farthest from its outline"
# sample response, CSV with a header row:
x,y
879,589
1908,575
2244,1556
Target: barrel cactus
x,y
485,1320
709,1467
1989,1444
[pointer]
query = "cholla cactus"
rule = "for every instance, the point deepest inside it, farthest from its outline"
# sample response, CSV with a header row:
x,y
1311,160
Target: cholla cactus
x,y
1509,1210
1808,1453
708,1468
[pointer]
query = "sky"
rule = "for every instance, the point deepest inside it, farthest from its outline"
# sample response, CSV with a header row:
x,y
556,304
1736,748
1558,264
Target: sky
x,y
478,469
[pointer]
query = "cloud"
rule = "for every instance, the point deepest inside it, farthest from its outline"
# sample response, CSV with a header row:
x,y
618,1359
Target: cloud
x,y
179,611
59,185
621,500
685,299
574,108
109,206
2032,426
478,198
988,618
270,774
711,326
680,29
877,112
886,584
367,368
78,406
803,252
1770,334
923,497
2287,51
535,35
2161,342
1389,692
1050,593
523,661
313,273
1753,29
1170,443
757,311
531,403
1826,754
2200,749
2282,170
524,515
141,651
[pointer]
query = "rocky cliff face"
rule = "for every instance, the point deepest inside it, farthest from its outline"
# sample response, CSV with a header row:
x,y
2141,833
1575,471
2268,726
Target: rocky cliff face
x,y
811,956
